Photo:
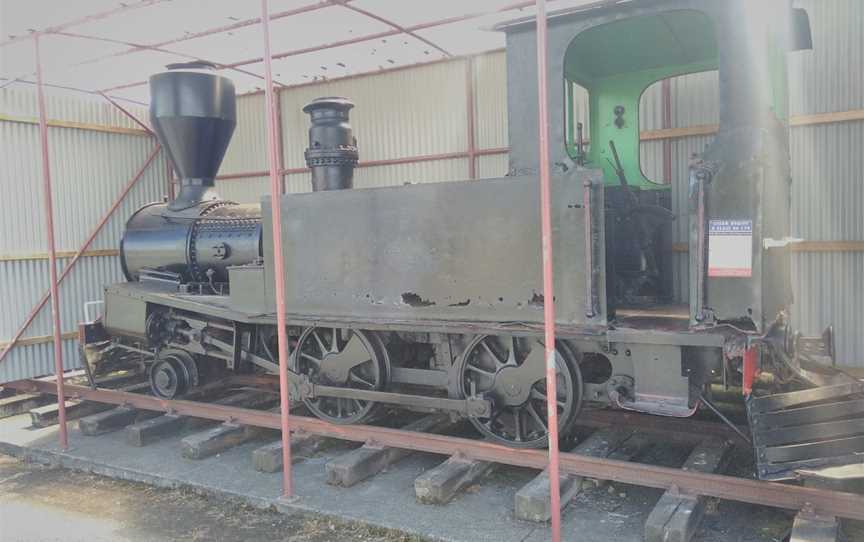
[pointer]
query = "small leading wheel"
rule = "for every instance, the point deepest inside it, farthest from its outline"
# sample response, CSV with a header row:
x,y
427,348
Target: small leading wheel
x,y
346,358
512,372
172,374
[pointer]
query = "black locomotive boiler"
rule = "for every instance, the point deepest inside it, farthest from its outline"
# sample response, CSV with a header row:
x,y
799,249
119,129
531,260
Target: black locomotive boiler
x,y
429,297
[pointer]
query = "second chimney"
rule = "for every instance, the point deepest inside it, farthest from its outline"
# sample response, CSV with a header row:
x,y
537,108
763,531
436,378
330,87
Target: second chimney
x,y
332,152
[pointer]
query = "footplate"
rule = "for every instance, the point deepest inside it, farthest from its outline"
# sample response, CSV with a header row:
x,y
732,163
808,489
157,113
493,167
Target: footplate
x,y
807,429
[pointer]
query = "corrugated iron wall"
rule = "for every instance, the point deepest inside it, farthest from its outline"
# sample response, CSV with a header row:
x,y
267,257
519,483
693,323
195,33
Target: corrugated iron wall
x,y
828,170
400,114
90,166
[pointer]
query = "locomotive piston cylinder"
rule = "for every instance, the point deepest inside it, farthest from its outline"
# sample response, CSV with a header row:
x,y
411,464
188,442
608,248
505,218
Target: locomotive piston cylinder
x,y
332,152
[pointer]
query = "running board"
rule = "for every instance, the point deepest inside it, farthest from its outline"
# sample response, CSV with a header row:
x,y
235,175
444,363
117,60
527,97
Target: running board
x,y
807,430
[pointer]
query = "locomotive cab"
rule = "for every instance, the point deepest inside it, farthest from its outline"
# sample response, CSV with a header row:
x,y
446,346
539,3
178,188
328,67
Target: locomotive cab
x,y
602,60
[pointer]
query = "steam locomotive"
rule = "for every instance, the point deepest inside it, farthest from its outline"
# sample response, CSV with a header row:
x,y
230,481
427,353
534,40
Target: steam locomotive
x,y
429,297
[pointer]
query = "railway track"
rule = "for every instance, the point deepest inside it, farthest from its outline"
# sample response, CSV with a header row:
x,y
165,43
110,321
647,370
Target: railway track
x,y
609,449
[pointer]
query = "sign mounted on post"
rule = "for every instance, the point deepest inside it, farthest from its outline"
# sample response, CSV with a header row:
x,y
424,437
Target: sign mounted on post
x,y
730,248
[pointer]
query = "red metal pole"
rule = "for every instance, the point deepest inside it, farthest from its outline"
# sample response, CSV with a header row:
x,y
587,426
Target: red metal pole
x,y
469,114
276,214
548,279
126,112
52,253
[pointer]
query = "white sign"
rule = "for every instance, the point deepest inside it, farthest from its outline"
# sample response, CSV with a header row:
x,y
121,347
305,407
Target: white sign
x,y
730,248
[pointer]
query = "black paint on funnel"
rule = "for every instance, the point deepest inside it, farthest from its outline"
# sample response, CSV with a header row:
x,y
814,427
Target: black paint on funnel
x,y
193,113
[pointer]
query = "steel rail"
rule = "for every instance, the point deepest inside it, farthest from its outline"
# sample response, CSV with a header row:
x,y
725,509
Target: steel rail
x,y
81,250
685,430
791,497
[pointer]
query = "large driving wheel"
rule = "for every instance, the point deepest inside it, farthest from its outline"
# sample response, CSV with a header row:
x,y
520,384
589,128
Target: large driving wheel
x,y
345,358
512,372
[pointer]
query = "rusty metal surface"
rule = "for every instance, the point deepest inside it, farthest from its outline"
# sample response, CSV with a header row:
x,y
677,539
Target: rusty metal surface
x,y
341,249
846,505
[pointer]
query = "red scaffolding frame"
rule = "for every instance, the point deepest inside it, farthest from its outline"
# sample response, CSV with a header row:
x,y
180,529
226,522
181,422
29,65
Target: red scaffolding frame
x,y
275,172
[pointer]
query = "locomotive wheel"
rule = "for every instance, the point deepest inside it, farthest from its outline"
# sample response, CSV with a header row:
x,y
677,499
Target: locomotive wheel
x,y
172,374
347,358
512,372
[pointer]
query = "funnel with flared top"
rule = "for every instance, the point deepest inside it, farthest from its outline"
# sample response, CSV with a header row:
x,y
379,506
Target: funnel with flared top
x,y
193,113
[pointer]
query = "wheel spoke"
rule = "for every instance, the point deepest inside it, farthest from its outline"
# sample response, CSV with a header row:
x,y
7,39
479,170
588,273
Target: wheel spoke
x,y
334,346
480,371
353,377
311,358
536,417
511,353
517,423
320,343
492,354
541,396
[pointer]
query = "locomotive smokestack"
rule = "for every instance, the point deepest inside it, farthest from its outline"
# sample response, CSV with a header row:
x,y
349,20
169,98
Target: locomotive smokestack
x,y
193,113
332,152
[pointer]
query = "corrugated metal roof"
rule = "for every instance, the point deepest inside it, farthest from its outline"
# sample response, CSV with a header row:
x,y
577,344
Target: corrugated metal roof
x,y
104,53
